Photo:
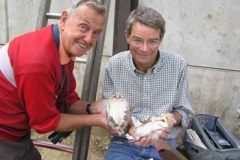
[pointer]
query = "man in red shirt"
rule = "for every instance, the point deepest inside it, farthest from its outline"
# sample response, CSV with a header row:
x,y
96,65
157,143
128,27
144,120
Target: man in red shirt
x,y
37,82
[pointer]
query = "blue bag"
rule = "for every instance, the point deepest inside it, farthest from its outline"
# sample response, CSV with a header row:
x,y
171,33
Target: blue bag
x,y
207,138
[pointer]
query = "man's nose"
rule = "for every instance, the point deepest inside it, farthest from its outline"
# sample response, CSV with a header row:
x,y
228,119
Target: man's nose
x,y
88,37
144,46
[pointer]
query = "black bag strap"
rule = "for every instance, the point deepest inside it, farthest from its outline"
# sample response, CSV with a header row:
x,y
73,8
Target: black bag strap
x,y
59,136
55,31
64,76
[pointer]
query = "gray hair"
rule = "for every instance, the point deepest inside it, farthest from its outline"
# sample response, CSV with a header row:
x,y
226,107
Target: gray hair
x,y
94,4
148,17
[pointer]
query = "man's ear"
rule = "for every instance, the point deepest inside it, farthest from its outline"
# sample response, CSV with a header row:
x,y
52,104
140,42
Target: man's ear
x,y
127,36
63,19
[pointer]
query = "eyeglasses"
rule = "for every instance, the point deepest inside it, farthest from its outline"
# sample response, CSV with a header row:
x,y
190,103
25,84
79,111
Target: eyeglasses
x,y
150,42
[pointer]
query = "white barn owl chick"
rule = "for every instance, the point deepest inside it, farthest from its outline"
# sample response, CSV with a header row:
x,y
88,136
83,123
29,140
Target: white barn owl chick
x,y
151,127
119,113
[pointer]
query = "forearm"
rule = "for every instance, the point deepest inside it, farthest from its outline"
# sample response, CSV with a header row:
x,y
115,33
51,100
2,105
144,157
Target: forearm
x,y
97,107
79,107
78,117
178,118
186,114
69,122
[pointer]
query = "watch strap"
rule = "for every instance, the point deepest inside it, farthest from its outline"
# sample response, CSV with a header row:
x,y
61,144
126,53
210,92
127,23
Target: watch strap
x,y
88,108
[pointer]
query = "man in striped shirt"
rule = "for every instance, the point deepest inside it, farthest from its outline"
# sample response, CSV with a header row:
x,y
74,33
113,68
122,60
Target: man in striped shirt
x,y
152,81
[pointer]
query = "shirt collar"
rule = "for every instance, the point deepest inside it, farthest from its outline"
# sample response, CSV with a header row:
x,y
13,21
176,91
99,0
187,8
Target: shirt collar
x,y
160,63
156,68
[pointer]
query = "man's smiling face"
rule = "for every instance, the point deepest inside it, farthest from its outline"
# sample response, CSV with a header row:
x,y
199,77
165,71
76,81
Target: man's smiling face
x,y
80,30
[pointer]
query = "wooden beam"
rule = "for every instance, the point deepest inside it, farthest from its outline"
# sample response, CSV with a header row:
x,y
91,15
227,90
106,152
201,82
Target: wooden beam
x,y
89,91
134,4
122,10
42,15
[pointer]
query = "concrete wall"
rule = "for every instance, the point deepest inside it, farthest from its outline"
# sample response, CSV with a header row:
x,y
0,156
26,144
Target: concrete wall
x,y
206,33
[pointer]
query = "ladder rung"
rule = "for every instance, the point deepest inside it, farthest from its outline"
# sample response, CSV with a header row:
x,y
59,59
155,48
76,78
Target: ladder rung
x,y
53,15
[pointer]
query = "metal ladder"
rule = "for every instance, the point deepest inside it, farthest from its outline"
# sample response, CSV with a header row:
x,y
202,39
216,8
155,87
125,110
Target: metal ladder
x,y
90,84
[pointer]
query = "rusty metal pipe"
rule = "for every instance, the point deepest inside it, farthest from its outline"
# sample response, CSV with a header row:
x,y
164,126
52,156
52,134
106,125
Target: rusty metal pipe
x,y
49,145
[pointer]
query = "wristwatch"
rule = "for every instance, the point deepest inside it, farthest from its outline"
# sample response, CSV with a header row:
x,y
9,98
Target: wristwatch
x,y
88,108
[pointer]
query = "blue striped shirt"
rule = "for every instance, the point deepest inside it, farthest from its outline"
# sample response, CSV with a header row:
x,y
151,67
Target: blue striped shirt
x,y
162,89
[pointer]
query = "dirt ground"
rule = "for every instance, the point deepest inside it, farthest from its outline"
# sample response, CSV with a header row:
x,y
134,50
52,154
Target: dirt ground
x,y
99,142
